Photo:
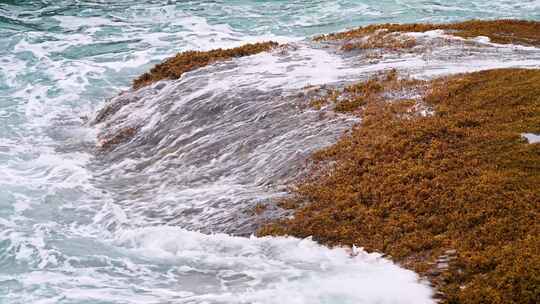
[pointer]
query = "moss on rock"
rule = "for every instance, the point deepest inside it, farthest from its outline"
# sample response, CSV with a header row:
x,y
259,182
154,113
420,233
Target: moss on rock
x,y
454,195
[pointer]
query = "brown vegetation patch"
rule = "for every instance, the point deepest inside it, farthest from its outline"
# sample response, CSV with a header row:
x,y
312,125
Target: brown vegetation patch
x,y
454,195
258,209
120,136
499,31
385,86
174,67
382,40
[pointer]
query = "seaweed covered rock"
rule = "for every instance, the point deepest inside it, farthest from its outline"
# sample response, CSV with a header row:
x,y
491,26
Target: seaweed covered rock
x,y
454,195
387,35
174,67
171,68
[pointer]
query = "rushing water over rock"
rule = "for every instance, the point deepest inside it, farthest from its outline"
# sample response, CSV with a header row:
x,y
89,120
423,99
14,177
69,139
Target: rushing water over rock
x,y
206,149
211,145
81,222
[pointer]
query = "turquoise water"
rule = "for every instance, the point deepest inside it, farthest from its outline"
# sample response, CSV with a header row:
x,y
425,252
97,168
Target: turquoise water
x,y
69,232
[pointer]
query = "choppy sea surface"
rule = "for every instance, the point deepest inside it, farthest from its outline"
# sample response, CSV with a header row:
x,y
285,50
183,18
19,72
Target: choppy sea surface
x,y
165,217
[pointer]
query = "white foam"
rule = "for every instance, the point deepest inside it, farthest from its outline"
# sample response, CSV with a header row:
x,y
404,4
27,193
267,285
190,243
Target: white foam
x,y
482,39
75,22
531,137
281,270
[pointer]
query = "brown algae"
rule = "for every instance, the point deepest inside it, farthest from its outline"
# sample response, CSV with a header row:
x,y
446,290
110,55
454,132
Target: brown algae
x,y
383,35
454,195
174,67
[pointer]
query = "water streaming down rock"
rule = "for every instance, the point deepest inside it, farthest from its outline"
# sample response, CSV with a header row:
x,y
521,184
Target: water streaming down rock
x,y
206,149
128,242
85,225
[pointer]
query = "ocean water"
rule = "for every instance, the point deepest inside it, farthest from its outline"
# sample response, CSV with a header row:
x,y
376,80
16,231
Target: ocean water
x,y
164,218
